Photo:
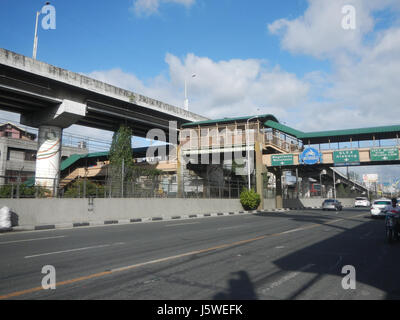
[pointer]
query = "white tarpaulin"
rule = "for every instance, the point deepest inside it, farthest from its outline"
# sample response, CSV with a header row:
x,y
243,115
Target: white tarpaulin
x,y
5,218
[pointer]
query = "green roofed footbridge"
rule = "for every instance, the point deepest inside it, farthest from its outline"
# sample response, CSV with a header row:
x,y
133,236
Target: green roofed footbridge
x,y
276,147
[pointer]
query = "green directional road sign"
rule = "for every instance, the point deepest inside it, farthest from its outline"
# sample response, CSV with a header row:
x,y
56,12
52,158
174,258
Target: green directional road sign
x,y
282,160
346,157
384,154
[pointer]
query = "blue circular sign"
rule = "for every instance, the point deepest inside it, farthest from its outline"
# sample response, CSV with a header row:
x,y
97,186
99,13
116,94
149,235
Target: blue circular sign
x,y
310,156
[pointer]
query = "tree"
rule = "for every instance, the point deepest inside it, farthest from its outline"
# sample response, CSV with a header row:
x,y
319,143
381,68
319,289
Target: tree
x,y
120,159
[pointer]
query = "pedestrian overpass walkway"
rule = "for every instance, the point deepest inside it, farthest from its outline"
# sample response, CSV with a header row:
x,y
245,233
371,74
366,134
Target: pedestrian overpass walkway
x,y
327,150
339,157
277,147
283,146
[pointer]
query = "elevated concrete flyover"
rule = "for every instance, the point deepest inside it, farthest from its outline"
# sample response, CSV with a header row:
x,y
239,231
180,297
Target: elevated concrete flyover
x,y
51,99
43,93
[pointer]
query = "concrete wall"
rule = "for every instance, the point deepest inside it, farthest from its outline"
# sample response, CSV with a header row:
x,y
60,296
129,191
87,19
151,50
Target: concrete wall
x,y
312,202
269,204
58,211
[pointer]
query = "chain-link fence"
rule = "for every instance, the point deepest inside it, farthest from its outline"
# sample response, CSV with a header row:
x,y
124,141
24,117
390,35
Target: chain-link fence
x,y
159,186
153,186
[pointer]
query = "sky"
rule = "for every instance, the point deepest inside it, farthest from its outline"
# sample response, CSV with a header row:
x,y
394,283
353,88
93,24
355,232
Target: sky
x,y
290,58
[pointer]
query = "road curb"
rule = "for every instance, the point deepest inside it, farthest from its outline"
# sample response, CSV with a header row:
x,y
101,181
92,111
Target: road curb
x,y
74,225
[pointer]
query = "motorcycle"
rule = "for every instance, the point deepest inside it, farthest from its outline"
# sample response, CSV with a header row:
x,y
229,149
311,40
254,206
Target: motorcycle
x,y
392,223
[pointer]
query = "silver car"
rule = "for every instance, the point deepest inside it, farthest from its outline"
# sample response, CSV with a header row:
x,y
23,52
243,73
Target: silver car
x,y
379,206
332,204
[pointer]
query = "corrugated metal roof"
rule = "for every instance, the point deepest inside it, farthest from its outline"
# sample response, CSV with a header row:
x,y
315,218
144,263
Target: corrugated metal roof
x,y
263,118
285,129
344,135
353,132
75,157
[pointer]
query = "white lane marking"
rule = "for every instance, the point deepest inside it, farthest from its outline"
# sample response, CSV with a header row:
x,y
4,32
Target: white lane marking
x,y
286,278
292,230
72,250
181,224
227,228
26,240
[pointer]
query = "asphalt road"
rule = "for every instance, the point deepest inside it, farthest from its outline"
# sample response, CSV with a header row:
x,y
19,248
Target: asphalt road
x,y
292,255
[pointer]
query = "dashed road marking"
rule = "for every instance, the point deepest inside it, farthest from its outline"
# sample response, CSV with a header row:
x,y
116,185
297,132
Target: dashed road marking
x,y
35,239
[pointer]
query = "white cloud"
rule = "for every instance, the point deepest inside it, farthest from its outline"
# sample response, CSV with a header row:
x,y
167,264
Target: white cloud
x,y
149,7
319,31
362,89
362,94
220,88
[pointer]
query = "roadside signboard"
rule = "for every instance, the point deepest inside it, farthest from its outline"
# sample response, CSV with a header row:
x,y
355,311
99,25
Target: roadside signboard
x,y
346,157
282,160
310,156
384,154
370,178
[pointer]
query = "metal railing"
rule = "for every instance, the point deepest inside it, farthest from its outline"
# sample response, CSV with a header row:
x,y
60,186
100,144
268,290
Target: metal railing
x,y
282,144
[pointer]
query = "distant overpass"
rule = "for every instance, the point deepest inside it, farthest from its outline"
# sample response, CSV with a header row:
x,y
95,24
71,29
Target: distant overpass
x,y
52,99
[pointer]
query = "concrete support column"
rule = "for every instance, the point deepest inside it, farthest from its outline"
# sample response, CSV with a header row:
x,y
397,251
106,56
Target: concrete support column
x,y
278,188
48,158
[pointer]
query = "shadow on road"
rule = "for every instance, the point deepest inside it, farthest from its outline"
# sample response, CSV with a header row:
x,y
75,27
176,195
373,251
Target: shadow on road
x,y
240,288
314,218
376,262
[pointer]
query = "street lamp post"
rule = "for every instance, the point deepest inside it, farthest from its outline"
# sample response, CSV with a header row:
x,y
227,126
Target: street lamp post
x,y
35,40
186,103
248,150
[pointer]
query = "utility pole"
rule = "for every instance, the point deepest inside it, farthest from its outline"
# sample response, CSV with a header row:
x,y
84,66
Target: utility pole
x,y
122,177
334,185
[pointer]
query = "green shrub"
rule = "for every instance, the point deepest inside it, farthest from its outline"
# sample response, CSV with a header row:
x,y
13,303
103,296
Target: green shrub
x,y
76,190
24,191
249,199
5,191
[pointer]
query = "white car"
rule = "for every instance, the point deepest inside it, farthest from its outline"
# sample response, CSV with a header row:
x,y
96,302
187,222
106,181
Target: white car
x,y
362,202
378,207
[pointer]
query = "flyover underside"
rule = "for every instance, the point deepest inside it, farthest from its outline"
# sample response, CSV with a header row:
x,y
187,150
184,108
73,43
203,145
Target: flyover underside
x,y
29,94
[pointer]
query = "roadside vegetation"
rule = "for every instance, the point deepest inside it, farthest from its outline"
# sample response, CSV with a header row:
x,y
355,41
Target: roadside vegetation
x,y
249,199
